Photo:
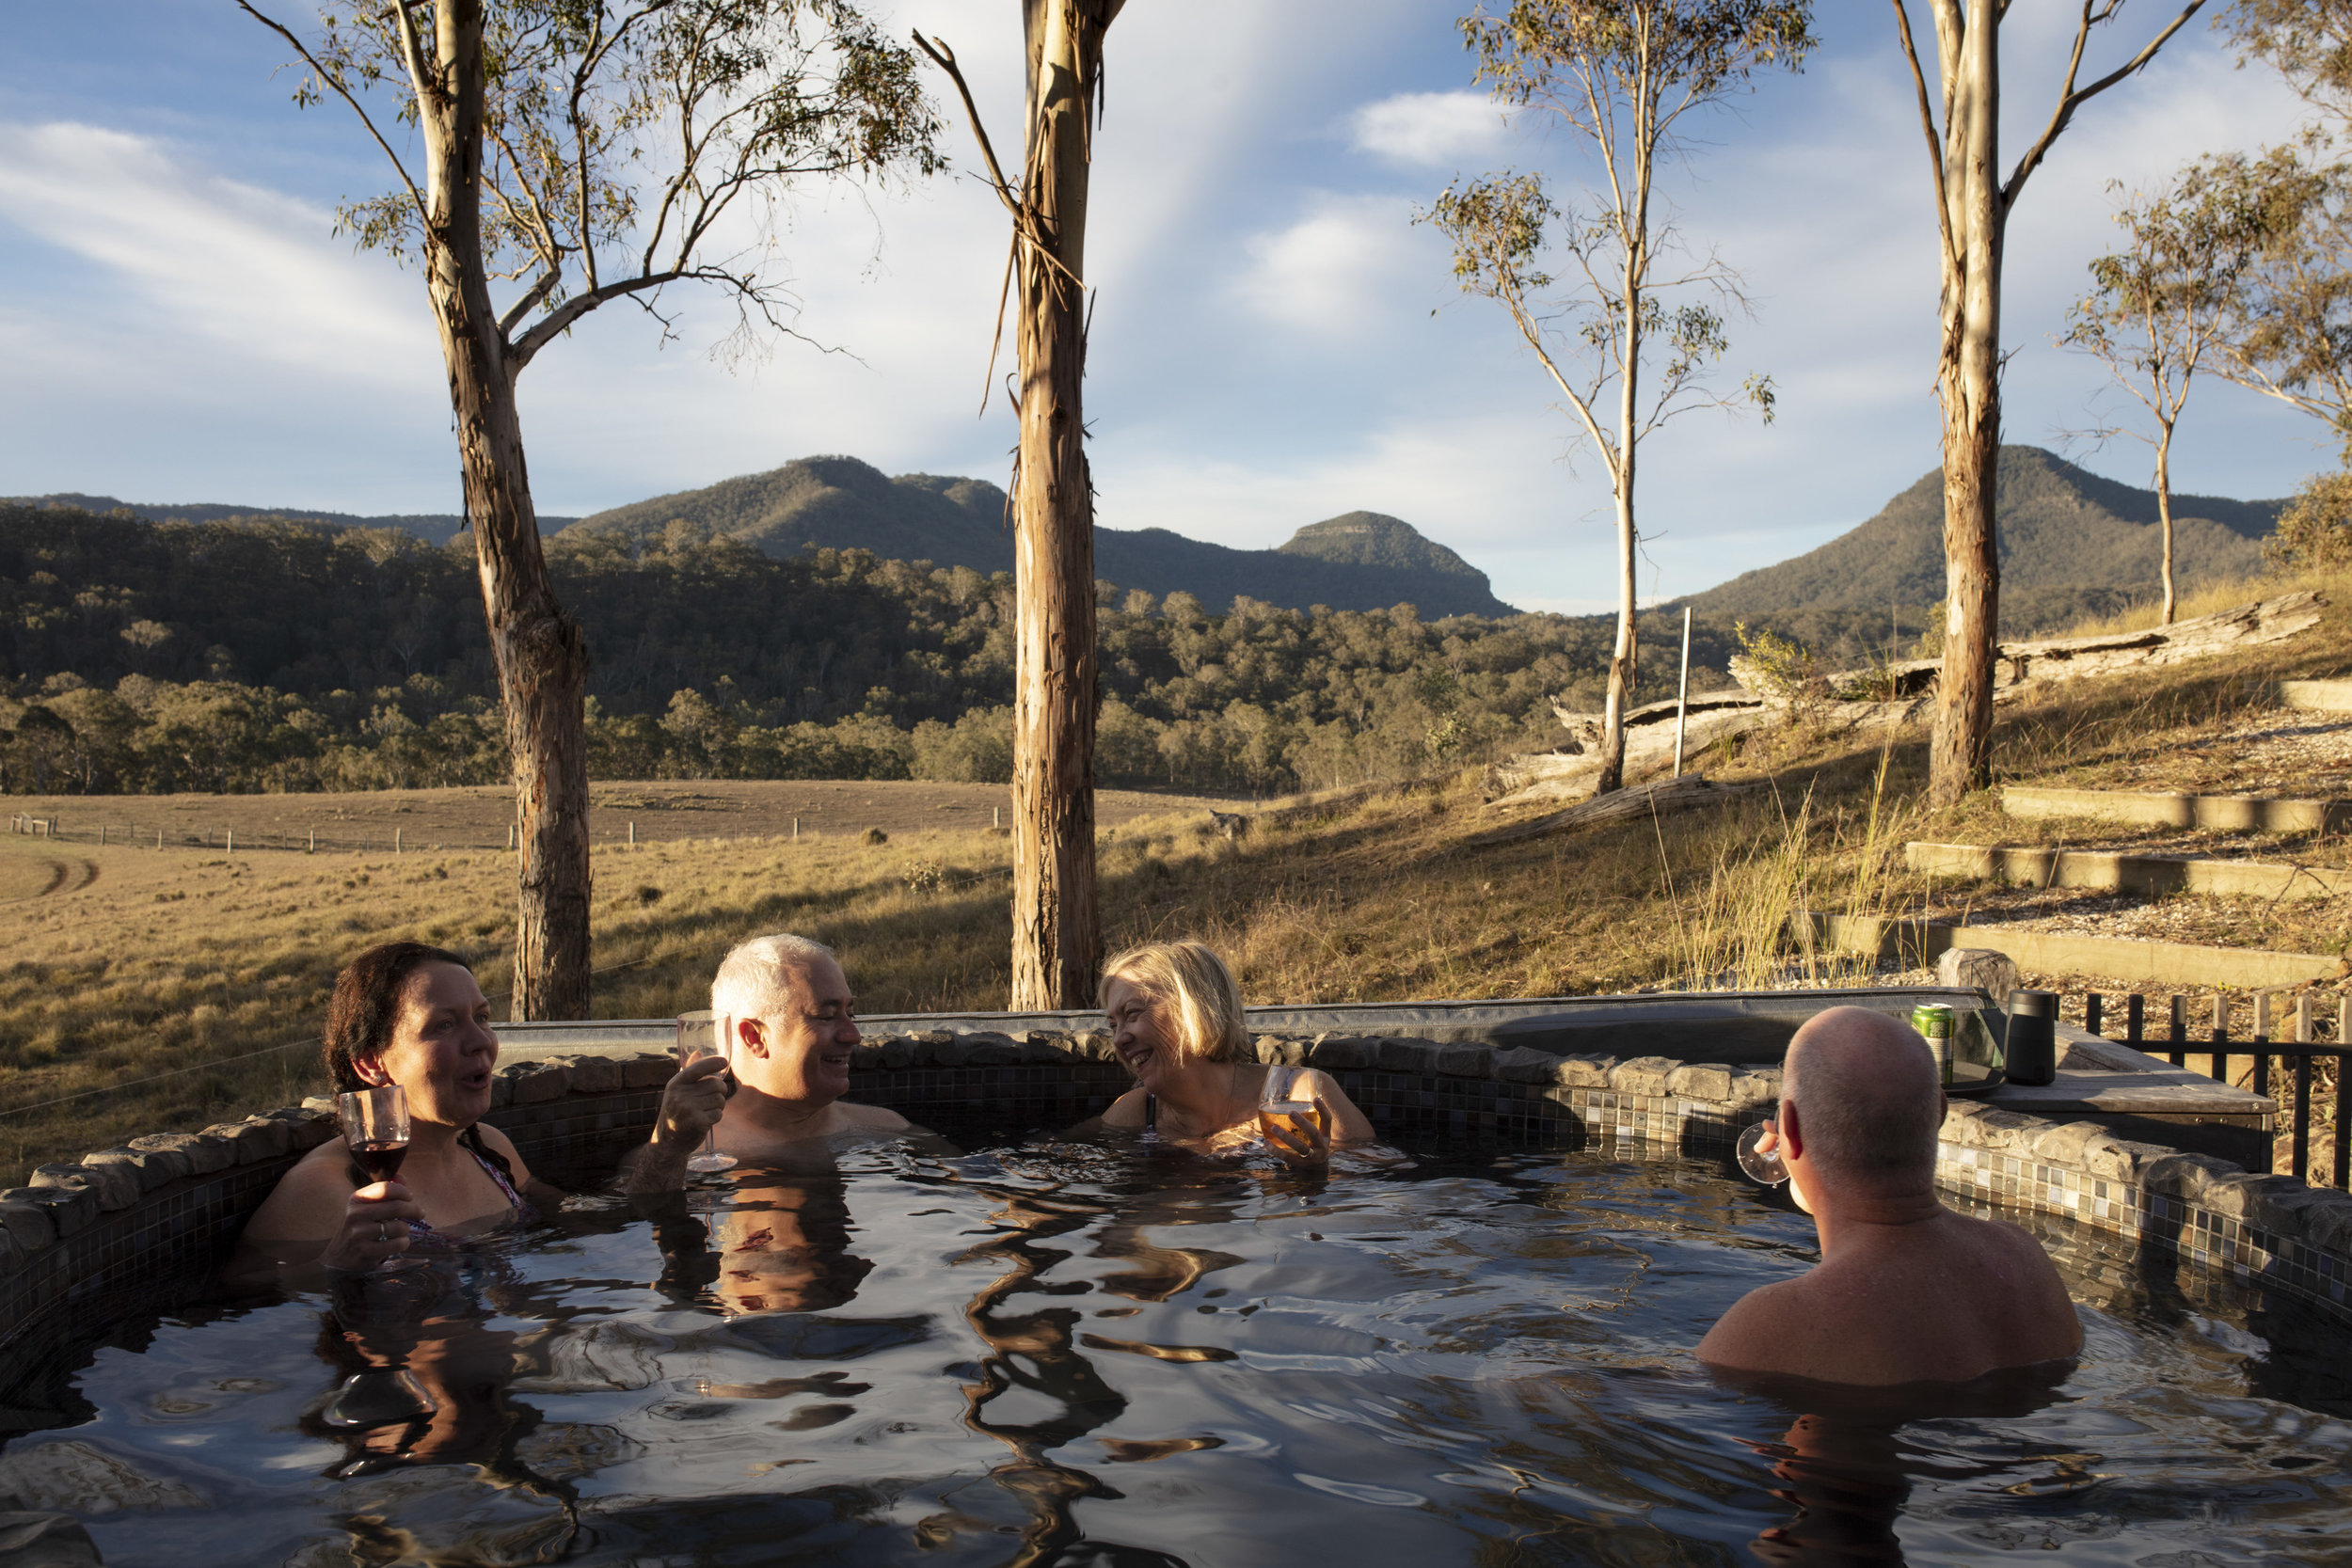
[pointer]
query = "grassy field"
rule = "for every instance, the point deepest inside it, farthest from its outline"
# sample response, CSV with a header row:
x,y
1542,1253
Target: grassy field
x,y
144,990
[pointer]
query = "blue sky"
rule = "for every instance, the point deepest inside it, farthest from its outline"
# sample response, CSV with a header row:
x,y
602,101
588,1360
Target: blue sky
x,y
1275,342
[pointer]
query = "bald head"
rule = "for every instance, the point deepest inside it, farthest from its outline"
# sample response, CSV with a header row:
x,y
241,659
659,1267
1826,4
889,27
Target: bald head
x,y
1867,1096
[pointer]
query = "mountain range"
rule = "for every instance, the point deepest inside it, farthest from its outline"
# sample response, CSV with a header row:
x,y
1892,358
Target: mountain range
x,y
1357,561
2071,541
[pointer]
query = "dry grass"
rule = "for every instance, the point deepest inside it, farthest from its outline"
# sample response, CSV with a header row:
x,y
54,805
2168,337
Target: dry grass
x,y
206,967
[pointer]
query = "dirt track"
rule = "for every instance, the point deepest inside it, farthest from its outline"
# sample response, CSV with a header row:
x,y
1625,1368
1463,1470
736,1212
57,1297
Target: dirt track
x,y
479,817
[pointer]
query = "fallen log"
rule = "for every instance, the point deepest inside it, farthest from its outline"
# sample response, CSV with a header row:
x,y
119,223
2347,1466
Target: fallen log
x,y
1661,798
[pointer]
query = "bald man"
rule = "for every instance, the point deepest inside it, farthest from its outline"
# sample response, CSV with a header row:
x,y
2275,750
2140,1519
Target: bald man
x,y
1906,1290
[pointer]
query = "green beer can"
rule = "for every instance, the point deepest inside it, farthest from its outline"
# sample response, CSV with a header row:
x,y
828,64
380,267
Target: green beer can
x,y
1934,1022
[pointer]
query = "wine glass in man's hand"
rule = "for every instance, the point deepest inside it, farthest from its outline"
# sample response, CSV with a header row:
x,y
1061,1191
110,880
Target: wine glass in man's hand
x,y
700,1035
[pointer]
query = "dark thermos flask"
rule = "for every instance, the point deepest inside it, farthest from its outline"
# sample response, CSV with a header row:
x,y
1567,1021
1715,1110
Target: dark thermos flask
x,y
2032,1053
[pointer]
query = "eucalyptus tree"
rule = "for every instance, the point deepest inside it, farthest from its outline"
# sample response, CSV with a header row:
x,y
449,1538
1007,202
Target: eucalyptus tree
x,y
1056,924
2160,307
1973,202
1621,77
565,154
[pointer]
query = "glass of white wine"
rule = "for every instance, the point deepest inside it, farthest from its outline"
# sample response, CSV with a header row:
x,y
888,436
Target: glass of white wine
x,y
703,1033
1281,1110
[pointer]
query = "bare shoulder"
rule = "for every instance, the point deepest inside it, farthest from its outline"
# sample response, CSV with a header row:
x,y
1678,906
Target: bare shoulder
x,y
1126,1111
1754,1335
869,1119
308,1201
1349,1123
500,1144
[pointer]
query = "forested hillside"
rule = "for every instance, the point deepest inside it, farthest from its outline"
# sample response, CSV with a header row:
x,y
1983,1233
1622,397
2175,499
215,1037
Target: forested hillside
x,y
1360,560
273,656
2072,544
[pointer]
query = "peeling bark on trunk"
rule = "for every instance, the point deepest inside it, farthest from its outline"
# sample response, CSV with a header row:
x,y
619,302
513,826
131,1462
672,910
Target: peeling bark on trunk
x,y
1968,384
1056,928
542,661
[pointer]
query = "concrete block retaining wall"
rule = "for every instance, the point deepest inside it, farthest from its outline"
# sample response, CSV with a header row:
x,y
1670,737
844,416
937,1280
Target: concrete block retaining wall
x,y
135,1227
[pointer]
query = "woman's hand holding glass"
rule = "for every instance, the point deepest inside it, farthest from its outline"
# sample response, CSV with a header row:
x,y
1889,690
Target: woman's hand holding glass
x,y
374,1229
1293,1124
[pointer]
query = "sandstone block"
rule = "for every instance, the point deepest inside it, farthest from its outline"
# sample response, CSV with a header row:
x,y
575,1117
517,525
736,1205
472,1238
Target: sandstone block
x,y
903,1050
1525,1065
2121,1160
205,1155
69,1209
114,1186
323,1103
149,1167
1756,1087
867,1057
307,1129
29,1223
256,1139
594,1074
1465,1061
1394,1054
1045,1047
1983,1127
987,1048
2185,1176
2328,1221
1583,1072
535,1083
1341,1053
1977,968
1095,1046
1645,1075
2275,1203
1702,1081
648,1069
2064,1143
501,1091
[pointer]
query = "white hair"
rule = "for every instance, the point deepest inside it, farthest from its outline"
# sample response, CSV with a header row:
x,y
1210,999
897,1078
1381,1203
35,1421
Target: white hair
x,y
756,979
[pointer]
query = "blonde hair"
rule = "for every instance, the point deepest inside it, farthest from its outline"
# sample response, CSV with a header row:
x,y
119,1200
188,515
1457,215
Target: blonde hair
x,y
1194,984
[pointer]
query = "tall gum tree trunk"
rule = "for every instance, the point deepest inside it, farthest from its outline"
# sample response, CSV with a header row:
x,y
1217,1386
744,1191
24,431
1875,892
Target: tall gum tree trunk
x,y
1622,658
1968,384
542,661
2164,510
1056,928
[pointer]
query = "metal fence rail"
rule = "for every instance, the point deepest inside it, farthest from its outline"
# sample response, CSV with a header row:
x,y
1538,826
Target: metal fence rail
x,y
2285,1058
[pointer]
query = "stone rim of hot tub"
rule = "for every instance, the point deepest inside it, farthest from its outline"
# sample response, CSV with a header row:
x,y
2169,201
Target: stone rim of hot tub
x,y
165,1202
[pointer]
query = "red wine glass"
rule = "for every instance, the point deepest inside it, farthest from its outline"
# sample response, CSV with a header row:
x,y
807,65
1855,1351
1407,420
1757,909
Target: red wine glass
x,y
375,1131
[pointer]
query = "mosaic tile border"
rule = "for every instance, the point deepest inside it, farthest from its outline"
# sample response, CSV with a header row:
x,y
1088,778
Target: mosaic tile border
x,y
165,1209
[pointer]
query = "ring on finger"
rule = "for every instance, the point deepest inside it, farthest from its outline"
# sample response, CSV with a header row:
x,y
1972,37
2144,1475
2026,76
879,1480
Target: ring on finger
x,y
381,1234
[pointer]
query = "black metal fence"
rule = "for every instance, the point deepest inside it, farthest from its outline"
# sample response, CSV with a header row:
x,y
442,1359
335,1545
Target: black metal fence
x,y
2279,1040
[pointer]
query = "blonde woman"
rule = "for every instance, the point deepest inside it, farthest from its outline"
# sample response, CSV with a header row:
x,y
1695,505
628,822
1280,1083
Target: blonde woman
x,y
1176,1020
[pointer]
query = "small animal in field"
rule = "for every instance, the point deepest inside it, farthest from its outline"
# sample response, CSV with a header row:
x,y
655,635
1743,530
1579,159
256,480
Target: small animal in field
x,y
1229,825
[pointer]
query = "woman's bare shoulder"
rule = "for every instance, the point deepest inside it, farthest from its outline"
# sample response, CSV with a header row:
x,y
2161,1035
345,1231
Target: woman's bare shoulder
x,y
308,1201
1126,1111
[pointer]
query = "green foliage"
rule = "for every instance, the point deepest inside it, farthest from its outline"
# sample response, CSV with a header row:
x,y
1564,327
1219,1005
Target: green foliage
x,y
361,663
1785,669
2315,531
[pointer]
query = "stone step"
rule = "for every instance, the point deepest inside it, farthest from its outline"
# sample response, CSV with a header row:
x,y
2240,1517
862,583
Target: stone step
x,y
2032,866
2177,964
2223,813
2325,696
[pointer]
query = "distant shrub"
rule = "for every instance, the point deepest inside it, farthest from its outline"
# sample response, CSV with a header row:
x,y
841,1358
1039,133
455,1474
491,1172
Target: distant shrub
x,y
873,835
2315,530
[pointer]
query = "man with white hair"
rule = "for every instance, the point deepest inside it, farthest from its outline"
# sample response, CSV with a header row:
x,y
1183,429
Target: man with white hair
x,y
1906,1290
791,1024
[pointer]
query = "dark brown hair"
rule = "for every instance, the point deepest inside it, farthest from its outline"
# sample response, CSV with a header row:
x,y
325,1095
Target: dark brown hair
x,y
366,1005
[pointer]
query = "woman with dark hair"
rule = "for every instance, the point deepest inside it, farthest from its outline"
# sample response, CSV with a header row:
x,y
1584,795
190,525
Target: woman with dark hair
x,y
408,1014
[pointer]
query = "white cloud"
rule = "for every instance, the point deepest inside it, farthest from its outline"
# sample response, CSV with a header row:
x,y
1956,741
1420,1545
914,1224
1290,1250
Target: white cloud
x,y
1336,267
257,272
1430,128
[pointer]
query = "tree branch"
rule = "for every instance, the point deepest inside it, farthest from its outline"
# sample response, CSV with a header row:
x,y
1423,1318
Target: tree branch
x,y
945,57
2072,99
416,197
1935,143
